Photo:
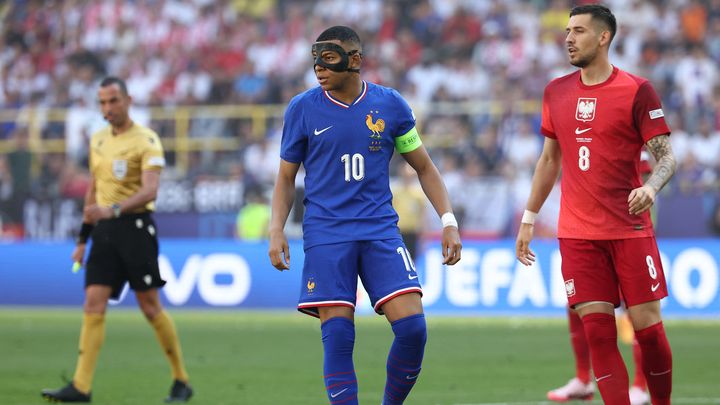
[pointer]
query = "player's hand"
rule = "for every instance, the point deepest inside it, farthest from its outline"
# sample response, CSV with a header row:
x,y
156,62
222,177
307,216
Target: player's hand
x,y
78,253
451,245
522,245
641,199
279,251
94,213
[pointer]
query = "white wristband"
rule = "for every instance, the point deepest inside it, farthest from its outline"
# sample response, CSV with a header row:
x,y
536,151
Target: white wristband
x,y
448,219
528,217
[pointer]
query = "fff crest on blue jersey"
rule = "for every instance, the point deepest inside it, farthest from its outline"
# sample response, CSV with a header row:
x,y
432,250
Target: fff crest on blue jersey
x,y
376,127
310,285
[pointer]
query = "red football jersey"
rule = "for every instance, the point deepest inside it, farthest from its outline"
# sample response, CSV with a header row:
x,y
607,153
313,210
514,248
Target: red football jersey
x,y
600,130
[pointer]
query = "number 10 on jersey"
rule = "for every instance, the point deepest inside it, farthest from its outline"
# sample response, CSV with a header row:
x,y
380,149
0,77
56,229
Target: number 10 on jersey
x,y
354,167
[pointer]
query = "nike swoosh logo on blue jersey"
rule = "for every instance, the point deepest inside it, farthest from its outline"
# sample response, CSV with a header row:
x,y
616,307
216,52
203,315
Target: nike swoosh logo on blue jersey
x,y
578,131
412,277
316,132
341,391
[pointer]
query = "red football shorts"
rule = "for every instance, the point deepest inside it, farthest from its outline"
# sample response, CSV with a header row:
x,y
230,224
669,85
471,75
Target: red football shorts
x,y
593,270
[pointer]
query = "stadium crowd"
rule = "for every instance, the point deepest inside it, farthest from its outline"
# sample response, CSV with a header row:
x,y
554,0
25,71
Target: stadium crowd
x,y
473,70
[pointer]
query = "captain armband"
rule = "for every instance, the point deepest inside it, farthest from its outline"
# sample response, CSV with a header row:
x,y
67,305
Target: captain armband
x,y
85,231
408,142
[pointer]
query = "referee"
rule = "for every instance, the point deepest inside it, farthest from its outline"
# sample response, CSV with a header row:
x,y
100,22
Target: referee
x,y
125,163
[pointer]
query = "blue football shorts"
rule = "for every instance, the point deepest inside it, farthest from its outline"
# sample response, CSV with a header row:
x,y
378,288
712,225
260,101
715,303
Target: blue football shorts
x,y
330,274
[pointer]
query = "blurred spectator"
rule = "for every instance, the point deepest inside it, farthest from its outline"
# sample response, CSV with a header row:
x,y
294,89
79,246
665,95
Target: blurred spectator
x,y
523,147
47,186
693,21
6,190
254,217
261,162
73,182
555,17
489,154
697,76
461,31
20,160
193,85
689,176
249,86
14,185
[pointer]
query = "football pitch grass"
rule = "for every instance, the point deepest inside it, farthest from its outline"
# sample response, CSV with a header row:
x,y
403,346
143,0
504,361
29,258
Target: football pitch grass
x,y
236,357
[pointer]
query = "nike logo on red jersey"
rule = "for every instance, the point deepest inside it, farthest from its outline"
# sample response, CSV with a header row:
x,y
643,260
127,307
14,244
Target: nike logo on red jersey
x,y
579,131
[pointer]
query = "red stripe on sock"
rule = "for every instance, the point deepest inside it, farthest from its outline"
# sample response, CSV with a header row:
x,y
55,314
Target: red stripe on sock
x,y
406,370
399,381
409,363
340,383
340,373
393,397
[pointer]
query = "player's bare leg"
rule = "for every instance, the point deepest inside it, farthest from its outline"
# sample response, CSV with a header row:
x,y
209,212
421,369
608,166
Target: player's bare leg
x,y
405,314
656,354
96,299
338,338
610,372
402,306
149,302
334,312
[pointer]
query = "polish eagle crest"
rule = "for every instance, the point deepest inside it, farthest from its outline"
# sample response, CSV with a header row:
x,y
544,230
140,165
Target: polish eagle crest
x,y
585,109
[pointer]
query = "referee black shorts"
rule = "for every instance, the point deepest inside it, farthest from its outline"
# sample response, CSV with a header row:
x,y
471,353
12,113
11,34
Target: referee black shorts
x,y
124,249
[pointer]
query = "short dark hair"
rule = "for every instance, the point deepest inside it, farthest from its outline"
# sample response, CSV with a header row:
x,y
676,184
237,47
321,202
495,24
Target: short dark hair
x,y
341,33
110,80
598,12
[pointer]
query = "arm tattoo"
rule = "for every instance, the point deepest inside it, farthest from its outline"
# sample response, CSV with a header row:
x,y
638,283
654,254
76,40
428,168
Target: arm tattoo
x,y
661,150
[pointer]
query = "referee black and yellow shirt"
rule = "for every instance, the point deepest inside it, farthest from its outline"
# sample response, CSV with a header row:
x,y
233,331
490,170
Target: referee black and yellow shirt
x,y
117,162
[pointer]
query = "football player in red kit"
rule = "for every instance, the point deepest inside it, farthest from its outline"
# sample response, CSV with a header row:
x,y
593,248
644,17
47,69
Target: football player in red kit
x,y
596,120
581,386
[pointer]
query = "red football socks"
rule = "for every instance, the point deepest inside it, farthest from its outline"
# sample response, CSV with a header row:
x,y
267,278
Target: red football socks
x,y
639,378
656,362
580,347
607,363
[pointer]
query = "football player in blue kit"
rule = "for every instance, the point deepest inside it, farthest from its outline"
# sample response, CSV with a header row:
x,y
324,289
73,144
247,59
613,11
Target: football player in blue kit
x,y
344,133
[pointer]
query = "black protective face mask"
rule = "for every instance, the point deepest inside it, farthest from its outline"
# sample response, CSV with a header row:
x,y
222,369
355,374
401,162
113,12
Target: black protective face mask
x,y
324,47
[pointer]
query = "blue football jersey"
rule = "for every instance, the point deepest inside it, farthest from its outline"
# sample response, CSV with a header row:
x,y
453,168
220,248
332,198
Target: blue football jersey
x,y
346,151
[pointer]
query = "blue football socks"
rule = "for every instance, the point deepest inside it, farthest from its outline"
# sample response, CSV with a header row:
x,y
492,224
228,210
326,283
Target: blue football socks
x,y
338,337
405,358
